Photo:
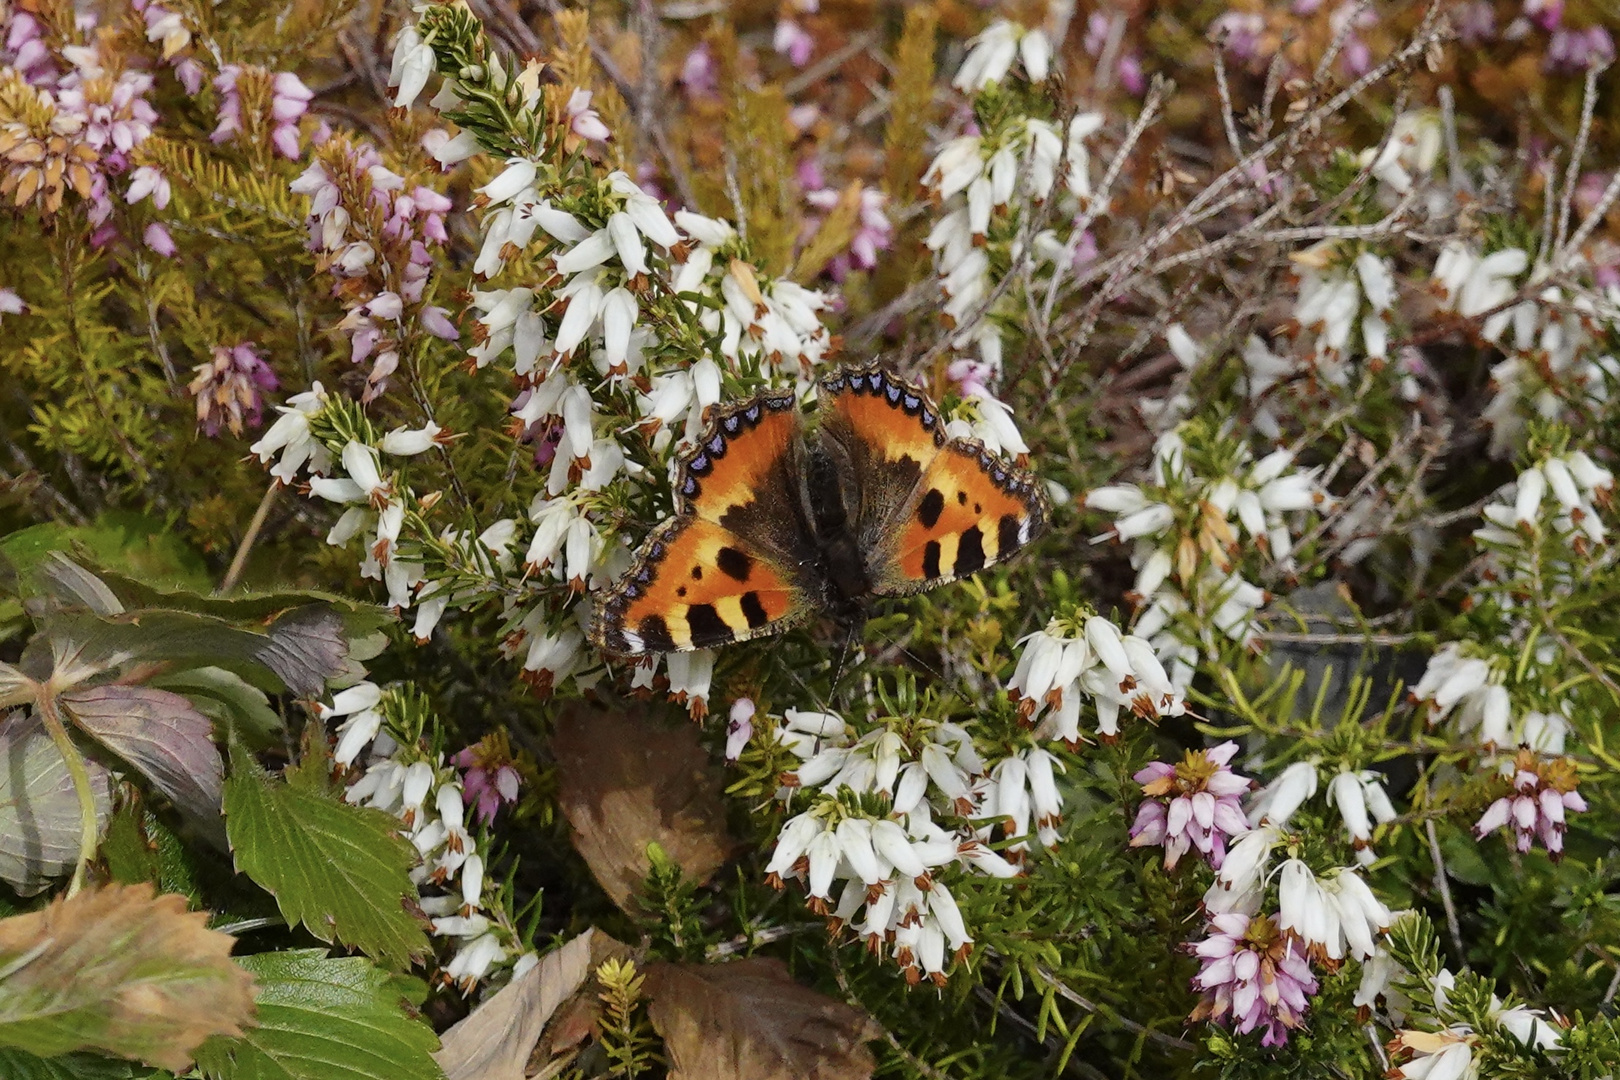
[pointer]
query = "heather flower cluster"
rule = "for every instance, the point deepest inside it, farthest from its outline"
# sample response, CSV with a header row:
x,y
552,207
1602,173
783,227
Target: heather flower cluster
x,y
1080,659
230,389
378,241
1209,519
882,874
990,186
380,745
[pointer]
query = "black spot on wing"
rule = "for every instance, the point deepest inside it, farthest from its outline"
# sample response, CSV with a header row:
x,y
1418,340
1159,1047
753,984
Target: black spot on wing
x,y
734,564
753,610
654,633
932,505
969,552
1006,535
931,559
707,627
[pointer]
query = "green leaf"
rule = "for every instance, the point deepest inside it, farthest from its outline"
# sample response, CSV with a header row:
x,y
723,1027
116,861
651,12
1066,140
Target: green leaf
x,y
21,1065
340,870
234,704
139,847
324,1019
135,544
122,971
163,736
39,810
298,651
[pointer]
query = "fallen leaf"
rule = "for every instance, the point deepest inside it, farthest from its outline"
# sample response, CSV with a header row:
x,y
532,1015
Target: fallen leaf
x,y
749,1020
122,971
164,736
626,780
494,1042
39,811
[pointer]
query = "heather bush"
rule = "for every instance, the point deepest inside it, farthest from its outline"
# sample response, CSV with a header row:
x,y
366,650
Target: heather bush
x,y
352,354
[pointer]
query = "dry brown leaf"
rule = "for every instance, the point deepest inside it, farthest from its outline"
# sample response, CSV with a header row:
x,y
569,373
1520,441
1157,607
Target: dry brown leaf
x,y
750,1021
494,1042
626,780
122,971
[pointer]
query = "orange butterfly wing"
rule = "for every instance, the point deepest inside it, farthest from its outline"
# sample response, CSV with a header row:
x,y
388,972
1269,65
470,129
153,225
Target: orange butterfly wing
x,y
729,565
929,510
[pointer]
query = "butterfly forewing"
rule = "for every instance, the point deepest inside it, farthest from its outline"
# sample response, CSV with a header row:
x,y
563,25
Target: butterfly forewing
x,y
931,510
731,565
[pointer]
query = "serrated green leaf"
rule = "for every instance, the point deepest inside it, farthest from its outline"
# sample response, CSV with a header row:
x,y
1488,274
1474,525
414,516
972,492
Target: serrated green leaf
x,y
21,1065
340,870
139,847
39,810
322,1018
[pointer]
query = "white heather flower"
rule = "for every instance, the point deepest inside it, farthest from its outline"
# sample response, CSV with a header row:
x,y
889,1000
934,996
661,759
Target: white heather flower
x,y
518,176
405,442
1277,801
355,733
1447,1055
413,63
690,674
1240,879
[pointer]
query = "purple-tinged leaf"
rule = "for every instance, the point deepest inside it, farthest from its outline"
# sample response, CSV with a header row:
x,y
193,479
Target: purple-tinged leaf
x,y
39,810
161,734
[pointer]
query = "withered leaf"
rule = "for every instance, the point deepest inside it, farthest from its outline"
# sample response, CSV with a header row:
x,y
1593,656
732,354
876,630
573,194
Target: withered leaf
x,y
495,1041
121,971
625,780
749,1020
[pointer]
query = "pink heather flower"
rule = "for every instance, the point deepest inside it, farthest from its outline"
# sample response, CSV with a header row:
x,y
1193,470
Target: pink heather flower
x,y
1476,22
26,51
191,75
1239,33
1253,975
1542,792
1574,51
158,239
289,100
794,42
490,778
583,120
699,74
230,103
1546,14
1097,28
230,389
971,377
875,233
1131,75
1195,804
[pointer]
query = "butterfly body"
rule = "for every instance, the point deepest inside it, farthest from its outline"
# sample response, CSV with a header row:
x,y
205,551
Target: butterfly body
x,y
773,525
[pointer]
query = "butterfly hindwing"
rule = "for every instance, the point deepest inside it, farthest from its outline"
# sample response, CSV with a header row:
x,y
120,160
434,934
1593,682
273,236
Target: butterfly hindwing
x,y
697,585
731,564
930,510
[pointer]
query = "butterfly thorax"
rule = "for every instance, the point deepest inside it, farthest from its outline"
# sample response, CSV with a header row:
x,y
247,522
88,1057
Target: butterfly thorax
x,y
843,567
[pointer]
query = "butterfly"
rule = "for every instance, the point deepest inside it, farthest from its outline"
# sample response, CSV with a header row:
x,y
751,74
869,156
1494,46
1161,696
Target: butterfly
x,y
773,525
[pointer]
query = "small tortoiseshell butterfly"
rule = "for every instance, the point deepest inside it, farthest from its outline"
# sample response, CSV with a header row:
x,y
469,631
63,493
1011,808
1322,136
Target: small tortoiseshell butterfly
x,y
771,527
